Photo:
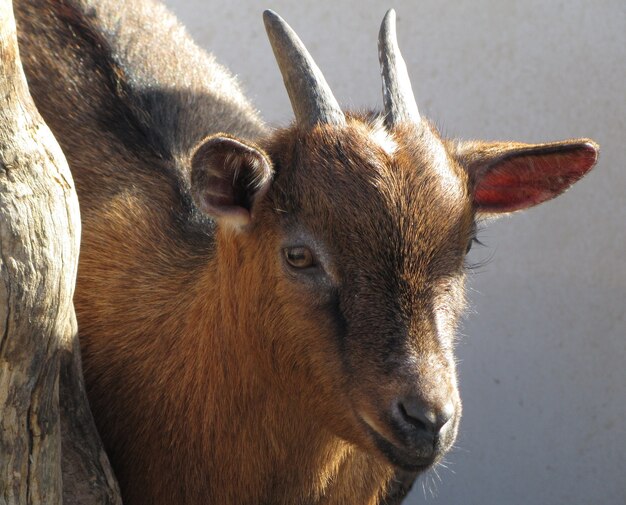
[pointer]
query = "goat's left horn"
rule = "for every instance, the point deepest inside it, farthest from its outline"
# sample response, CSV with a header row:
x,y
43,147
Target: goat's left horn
x,y
398,96
311,98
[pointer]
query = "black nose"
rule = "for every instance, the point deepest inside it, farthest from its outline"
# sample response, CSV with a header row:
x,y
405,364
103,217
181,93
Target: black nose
x,y
425,417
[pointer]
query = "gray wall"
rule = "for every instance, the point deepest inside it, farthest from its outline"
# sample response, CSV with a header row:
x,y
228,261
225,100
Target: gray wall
x,y
543,357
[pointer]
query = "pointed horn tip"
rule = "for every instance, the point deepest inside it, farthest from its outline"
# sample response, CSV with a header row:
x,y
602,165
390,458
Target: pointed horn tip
x,y
390,15
278,30
271,19
269,15
388,26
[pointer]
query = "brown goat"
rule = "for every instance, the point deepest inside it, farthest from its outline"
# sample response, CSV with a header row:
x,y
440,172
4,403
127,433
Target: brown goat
x,y
265,317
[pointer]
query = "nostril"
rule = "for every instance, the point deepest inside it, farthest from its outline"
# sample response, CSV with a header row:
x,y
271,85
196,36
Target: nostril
x,y
424,417
415,416
447,412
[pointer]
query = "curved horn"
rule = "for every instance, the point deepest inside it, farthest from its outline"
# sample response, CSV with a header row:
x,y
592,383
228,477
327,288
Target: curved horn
x,y
311,98
398,96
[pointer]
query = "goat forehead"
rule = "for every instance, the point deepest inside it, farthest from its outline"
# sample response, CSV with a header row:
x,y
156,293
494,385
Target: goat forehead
x,y
366,182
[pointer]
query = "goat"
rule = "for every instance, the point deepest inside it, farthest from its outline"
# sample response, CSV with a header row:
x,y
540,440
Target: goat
x,y
266,316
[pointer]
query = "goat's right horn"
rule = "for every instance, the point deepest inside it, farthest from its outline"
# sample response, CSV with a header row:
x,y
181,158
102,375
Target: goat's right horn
x,y
311,98
398,96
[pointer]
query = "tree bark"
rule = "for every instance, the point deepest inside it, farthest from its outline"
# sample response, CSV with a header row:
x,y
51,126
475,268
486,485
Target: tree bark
x,y
49,453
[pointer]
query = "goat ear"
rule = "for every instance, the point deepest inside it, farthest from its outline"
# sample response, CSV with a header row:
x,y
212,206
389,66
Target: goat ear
x,y
227,177
506,177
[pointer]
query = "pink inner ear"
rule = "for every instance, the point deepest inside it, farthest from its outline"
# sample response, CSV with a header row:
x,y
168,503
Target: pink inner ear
x,y
528,177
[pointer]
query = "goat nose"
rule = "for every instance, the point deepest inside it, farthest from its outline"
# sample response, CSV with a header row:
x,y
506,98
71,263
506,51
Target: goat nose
x,y
425,417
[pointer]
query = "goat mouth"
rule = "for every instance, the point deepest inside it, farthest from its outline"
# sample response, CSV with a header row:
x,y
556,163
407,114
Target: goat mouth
x,y
404,458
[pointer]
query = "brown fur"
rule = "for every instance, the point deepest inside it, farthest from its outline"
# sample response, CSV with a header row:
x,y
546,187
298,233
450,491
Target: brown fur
x,y
216,374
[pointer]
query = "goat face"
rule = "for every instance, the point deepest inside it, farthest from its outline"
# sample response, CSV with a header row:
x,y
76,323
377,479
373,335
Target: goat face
x,y
373,238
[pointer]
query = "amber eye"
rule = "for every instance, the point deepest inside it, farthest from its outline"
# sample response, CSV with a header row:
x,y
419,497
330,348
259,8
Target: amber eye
x,y
299,257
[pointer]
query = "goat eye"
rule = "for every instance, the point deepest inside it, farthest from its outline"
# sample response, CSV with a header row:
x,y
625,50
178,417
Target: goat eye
x,y
299,257
473,240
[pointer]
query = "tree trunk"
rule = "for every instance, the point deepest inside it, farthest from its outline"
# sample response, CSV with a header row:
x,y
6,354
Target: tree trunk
x,y
49,454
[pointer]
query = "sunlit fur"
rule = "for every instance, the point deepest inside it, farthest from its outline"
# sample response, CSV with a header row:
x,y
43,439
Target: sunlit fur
x,y
215,373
